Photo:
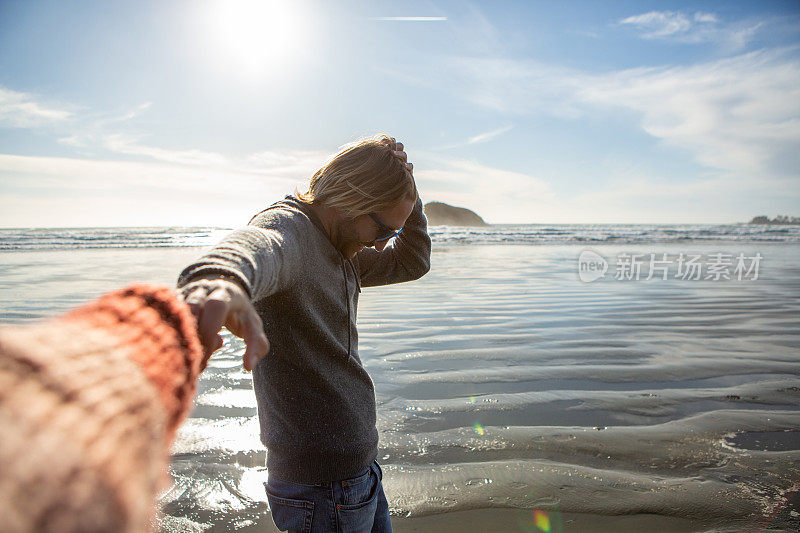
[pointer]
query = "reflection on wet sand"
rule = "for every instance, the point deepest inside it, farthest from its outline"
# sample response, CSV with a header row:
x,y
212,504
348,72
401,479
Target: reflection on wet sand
x,y
506,388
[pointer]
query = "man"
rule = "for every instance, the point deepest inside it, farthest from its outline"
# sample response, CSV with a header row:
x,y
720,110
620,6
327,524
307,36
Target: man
x,y
288,284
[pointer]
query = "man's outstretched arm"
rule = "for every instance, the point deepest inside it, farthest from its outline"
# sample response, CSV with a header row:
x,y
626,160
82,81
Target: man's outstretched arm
x,y
219,287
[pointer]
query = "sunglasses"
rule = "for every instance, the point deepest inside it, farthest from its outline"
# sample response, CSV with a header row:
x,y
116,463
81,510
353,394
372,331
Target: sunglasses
x,y
384,232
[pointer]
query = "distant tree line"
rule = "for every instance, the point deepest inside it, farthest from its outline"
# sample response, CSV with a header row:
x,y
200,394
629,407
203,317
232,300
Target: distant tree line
x,y
780,219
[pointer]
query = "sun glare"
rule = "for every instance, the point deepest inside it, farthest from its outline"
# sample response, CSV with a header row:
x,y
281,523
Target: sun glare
x,y
255,36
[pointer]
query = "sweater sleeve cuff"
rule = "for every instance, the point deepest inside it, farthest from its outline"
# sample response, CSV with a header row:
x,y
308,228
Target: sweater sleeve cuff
x,y
208,272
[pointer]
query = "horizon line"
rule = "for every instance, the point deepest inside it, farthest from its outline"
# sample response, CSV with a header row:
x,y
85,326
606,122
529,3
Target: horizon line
x,y
4,228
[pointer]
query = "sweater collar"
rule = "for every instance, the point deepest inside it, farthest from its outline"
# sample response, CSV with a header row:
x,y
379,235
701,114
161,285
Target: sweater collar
x,y
307,211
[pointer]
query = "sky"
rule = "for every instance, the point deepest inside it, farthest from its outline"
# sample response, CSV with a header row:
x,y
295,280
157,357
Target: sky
x,y
203,112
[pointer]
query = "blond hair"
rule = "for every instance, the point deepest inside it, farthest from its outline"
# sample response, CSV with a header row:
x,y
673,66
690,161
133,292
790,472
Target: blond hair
x,y
363,177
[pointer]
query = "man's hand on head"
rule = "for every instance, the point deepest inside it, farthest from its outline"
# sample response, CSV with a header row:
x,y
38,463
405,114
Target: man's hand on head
x,y
399,152
217,302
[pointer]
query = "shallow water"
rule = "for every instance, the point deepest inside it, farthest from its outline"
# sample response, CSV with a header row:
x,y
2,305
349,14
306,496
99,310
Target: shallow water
x,y
505,382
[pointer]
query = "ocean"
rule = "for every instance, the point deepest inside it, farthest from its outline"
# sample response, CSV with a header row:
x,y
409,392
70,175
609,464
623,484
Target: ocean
x,y
172,237
583,377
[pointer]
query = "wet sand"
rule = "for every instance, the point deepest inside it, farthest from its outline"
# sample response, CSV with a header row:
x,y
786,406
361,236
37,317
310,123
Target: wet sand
x,y
502,520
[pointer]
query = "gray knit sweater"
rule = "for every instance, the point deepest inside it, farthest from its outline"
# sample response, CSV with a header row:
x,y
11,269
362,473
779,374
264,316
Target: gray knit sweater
x,y
316,402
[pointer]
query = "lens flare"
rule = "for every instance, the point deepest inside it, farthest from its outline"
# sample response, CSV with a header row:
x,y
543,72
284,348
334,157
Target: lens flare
x,y
479,429
541,520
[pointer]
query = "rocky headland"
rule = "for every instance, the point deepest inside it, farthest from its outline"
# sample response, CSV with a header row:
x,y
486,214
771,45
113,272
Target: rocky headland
x,y
441,214
780,219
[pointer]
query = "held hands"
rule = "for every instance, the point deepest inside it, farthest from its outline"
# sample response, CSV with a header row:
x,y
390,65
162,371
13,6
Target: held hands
x,y
220,302
399,153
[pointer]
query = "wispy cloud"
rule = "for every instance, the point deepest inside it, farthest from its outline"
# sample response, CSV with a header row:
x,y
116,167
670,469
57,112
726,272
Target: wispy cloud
x,y
23,110
131,114
289,164
737,114
705,17
412,19
102,134
115,158
102,192
496,194
733,114
475,139
504,85
502,196
699,27
34,172
172,190
126,144
489,135
657,24
89,130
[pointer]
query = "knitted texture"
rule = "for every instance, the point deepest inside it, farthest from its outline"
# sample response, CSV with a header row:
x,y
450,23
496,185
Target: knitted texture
x,y
161,333
89,404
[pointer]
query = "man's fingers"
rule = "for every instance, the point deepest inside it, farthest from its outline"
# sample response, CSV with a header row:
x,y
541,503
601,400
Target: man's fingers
x,y
399,152
256,349
218,303
213,317
194,298
195,309
256,343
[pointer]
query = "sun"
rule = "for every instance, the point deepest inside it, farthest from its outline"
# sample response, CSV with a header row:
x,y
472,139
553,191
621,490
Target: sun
x,y
257,37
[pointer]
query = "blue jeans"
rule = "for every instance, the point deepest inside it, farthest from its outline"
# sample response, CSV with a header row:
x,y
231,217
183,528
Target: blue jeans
x,y
355,505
